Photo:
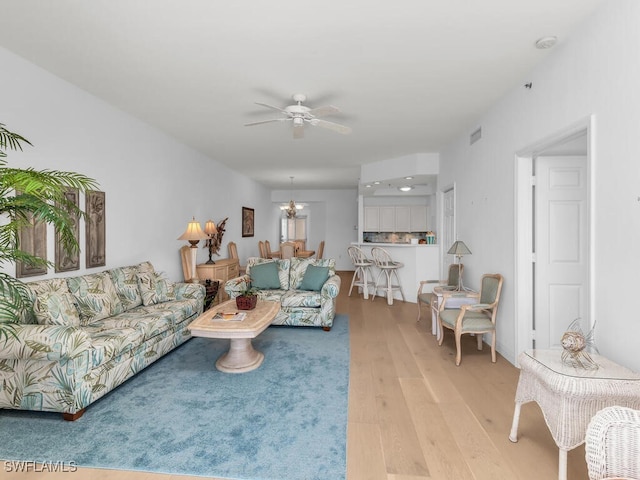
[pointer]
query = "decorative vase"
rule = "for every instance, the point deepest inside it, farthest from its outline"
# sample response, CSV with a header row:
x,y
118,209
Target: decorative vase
x,y
246,303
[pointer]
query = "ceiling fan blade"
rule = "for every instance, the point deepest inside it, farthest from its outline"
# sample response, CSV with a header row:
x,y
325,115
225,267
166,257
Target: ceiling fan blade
x,y
322,111
336,127
298,131
265,121
277,109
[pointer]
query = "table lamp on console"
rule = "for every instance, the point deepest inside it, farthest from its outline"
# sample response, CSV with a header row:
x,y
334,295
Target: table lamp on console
x,y
459,249
193,234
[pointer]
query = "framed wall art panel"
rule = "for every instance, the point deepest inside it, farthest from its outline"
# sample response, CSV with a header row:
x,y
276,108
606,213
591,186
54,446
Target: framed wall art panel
x,y
68,261
95,229
33,240
247,222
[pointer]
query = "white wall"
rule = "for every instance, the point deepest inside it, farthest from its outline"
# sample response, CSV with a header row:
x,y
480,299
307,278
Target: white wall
x,y
153,184
595,71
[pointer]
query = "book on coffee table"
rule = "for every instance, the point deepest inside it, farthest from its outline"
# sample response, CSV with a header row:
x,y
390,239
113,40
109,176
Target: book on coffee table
x,y
229,317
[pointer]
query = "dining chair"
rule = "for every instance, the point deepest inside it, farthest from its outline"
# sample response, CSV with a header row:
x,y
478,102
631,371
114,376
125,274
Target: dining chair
x,y
287,250
262,249
267,247
477,318
427,298
233,253
320,251
389,269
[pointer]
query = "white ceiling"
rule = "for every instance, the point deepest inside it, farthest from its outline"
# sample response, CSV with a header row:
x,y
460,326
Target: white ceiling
x,y
408,75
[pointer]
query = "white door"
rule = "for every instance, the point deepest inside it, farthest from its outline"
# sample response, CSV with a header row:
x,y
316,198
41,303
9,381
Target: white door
x,y
561,235
448,234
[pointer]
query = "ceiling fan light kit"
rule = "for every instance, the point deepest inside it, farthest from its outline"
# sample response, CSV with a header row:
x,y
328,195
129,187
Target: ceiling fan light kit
x,y
300,114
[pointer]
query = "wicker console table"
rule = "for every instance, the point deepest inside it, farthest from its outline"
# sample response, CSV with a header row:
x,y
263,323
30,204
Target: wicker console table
x,y
569,397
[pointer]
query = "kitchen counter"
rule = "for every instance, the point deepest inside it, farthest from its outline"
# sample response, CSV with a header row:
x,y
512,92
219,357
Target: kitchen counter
x,y
421,262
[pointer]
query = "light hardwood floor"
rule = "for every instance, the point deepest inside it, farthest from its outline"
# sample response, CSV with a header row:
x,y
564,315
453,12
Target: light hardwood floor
x,y
414,415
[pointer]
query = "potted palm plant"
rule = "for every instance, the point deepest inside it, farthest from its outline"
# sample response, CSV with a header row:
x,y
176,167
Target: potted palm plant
x,y
25,194
248,298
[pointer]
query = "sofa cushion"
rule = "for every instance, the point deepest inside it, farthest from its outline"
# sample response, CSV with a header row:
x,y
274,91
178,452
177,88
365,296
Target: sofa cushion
x,y
125,279
145,267
265,276
283,269
314,278
299,267
50,285
56,308
146,320
301,299
109,342
154,288
95,296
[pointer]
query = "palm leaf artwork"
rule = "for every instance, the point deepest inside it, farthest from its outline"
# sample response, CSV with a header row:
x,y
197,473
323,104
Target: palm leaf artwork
x,y
26,194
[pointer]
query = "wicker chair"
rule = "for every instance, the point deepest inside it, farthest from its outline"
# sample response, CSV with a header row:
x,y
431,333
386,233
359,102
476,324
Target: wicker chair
x,y
612,444
477,319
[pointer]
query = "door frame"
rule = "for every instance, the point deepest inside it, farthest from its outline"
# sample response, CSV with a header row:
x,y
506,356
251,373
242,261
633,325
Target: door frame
x,y
523,232
444,265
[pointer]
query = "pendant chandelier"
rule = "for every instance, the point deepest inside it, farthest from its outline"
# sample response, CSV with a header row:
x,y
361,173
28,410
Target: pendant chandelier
x,y
291,209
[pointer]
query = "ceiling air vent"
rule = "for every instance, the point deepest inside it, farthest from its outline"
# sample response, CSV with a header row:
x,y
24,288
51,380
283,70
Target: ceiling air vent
x,y
475,136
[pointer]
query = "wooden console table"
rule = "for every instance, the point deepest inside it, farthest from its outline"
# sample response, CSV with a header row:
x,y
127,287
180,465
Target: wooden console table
x,y
223,270
570,396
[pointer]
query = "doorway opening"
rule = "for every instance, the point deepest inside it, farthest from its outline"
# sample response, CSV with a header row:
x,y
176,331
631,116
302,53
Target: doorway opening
x,y
553,237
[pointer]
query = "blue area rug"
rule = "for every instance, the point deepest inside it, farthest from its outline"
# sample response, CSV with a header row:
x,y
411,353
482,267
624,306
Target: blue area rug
x,y
285,420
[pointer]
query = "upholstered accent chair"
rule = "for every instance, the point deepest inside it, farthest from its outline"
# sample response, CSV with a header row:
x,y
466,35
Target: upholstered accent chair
x,y
477,319
427,298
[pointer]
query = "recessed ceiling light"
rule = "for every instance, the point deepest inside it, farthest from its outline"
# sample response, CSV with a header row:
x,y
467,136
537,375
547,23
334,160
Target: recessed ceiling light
x,y
546,42
408,178
368,185
405,188
376,183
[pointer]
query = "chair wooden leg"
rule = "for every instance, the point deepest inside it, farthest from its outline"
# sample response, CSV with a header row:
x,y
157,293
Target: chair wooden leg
x,y
493,347
458,349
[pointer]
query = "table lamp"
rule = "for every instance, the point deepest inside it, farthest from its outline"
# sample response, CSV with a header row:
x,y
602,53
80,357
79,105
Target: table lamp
x,y
459,249
211,231
193,234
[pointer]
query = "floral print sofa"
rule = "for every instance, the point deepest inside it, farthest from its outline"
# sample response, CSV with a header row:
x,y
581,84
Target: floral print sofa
x,y
314,307
88,334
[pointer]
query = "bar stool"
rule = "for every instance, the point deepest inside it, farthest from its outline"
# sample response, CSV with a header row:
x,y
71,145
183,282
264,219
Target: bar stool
x,y
361,275
382,260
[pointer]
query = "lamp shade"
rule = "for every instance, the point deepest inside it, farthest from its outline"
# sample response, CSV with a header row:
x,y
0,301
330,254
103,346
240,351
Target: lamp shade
x,y
459,248
210,228
193,233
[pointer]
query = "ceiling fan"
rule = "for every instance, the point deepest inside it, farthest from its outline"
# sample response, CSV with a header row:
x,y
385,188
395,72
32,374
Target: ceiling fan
x,y
300,114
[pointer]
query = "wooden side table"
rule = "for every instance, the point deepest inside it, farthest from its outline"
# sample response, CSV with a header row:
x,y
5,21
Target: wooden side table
x,y
223,270
570,396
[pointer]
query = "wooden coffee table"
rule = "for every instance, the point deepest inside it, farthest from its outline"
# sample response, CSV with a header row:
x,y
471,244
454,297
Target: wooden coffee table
x,y
241,357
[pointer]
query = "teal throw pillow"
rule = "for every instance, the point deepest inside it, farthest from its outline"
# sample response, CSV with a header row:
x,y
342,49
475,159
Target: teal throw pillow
x,y
314,278
265,276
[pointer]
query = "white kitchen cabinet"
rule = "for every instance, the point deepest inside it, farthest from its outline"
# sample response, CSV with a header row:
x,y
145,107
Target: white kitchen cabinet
x,y
371,219
403,219
387,219
418,218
